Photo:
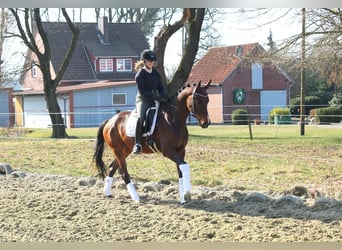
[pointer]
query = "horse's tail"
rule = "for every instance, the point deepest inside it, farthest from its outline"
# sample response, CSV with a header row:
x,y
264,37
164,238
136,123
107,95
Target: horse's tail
x,y
99,148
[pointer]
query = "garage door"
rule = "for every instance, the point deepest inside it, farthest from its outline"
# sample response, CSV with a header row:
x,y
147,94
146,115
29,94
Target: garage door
x,y
270,100
4,109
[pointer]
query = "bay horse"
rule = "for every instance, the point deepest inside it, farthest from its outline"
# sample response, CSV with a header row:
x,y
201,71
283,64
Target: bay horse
x,y
170,137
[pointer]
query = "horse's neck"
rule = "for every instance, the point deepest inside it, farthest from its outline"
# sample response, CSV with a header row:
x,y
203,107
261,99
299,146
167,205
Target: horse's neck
x,y
181,112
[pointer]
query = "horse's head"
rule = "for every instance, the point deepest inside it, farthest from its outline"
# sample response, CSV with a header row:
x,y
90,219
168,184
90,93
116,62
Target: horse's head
x,y
197,104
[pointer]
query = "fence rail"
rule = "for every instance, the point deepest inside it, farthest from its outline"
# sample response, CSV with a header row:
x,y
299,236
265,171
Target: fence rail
x,y
41,118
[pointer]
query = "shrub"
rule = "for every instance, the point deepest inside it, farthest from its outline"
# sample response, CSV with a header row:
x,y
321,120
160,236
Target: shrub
x,y
328,115
240,117
285,112
310,102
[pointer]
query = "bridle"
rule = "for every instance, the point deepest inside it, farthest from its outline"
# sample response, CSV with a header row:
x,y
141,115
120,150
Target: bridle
x,y
195,95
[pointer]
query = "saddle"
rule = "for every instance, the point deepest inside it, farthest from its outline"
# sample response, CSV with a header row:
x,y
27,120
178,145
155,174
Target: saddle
x,y
148,125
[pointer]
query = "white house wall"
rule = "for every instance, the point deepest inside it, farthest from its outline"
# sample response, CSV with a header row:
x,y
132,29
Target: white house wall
x,y
36,114
90,107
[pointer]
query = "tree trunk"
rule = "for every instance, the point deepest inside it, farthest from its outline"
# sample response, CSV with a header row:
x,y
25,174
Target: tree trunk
x,y
3,19
58,126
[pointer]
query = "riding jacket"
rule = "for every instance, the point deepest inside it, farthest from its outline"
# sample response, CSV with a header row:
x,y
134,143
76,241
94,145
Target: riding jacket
x,y
149,86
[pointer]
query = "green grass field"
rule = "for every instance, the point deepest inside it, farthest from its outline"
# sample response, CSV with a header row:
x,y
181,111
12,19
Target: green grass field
x,y
277,158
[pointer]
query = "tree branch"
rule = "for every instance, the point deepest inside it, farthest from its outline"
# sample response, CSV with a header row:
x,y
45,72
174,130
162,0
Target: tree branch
x,y
162,38
195,25
75,34
42,33
23,35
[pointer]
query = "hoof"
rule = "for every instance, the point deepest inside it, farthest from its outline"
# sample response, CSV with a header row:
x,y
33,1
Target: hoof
x,y
187,197
184,203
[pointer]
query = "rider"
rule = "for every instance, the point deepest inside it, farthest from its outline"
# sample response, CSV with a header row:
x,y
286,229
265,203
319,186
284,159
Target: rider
x,y
149,86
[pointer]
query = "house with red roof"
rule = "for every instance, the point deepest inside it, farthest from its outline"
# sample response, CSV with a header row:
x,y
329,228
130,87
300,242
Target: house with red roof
x,y
98,82
241,79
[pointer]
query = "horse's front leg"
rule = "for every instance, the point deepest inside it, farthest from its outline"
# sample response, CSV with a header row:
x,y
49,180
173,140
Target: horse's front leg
x,y
183,169
127,179
184,182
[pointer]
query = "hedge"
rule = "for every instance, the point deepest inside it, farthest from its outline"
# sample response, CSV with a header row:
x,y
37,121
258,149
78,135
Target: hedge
x,y
310,102
328,115
240,117
285,112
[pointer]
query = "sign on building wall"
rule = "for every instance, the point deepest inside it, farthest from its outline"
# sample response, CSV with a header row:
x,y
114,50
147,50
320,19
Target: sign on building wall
x,y
239,96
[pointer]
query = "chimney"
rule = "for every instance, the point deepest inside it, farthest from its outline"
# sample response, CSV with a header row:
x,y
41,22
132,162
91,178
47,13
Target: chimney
x,y
102,23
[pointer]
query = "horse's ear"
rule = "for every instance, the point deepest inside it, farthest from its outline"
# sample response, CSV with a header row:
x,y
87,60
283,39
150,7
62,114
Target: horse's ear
x,y
207,85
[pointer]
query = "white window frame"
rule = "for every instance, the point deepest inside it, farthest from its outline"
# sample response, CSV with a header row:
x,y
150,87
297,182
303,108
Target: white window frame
x,y
105,65
34,72
119,94
257,79
122,62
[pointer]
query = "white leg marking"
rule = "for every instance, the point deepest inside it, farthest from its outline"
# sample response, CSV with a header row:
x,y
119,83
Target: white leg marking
x,y
107,189
133,193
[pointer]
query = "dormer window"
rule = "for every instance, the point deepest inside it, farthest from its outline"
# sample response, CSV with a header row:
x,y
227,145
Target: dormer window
x,y
106,65
34,71
123,65
239,51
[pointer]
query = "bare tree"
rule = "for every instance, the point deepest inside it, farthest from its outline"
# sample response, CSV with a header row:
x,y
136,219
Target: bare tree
x,y
163,36
27,32
324,45
194,22
325,52
3,21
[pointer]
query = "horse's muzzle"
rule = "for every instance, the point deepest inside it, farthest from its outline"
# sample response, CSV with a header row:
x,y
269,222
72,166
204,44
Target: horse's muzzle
x,y
205,123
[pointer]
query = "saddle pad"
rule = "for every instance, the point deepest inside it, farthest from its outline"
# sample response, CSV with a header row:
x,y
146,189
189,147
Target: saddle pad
x,y
132,123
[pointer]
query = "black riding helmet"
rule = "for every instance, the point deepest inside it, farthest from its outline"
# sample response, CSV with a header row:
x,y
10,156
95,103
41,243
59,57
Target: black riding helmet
x,y
148,55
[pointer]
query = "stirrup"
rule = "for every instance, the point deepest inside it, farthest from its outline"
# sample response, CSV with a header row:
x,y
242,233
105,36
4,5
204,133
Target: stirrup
x,y
137,149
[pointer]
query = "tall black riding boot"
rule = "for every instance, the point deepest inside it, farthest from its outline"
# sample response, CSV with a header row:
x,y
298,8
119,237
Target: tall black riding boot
x,y
138,135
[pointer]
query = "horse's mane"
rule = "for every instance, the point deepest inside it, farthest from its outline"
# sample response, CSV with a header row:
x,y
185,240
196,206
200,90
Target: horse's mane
x,y
180,90
169,106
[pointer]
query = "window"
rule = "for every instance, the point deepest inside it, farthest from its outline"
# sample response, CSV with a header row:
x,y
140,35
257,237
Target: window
x,y
106,65
123,65
34,71
257,80
119,99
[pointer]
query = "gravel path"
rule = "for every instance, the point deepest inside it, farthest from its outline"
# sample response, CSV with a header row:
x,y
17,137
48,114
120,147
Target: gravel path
x,y
39,208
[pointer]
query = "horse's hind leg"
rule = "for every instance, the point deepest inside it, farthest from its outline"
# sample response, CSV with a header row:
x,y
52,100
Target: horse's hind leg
x,y
107,189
